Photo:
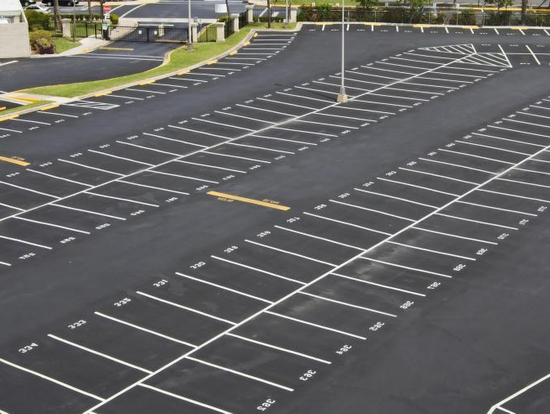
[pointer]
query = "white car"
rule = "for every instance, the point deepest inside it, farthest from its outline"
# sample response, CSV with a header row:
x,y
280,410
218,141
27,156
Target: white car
x,y
38,8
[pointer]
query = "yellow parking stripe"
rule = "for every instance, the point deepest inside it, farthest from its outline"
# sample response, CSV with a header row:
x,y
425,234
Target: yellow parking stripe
x,y
47,108
3,108
15,161
248,200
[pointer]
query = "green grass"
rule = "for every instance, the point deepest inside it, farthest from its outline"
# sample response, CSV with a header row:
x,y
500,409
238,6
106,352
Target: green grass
x,y
22,107
179,59
62,44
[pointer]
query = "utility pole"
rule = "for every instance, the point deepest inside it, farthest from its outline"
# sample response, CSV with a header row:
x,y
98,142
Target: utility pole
x,y
90,17
342,97
287,19
524,12
189,31
74,21
269,14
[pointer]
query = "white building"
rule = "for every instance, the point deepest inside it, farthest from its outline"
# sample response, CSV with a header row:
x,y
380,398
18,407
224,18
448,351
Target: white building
x,y
14,30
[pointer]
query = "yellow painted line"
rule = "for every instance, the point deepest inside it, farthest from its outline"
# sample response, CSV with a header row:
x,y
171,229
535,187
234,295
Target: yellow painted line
x,y
373,24
146,83
6,118
84,50
116,48
3,108
424,26
233,53
246,44
470,27
212,62
183,72
47,108
248,200
102,94
255,34
15,161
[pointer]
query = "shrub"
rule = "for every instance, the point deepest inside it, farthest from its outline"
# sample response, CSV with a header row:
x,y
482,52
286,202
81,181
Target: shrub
x,y
37,21
41,42
114,18
467,17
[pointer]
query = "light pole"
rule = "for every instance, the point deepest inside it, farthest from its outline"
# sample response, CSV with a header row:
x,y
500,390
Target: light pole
x,y
287,16
189,33
342,97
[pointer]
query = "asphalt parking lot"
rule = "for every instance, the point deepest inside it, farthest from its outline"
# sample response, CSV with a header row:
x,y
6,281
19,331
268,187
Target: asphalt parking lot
x,y
232,240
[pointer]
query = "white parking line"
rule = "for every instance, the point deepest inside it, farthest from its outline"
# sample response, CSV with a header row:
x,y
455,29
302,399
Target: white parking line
x,y
149,148
289,252
88,211
28,189
347,224
5,264
153,187
319,238
278,348
457,165
37,374
258,270
372,210
174,140
417,186
90,167
456,236
431,251
121,158
497,208
180,397
429,272
526,123
30,121
127,200
475,156
146,91
237,156
523,183
101,354
284,140
241,374
58,114
199,132
445,177
11,130
211,166
58,178
326,328
223,124
140,328
507,139
511,397
12,207
25,242
477,221
261,148
339,302
186,177
52,225
238,292
395,198
519,132
177,305
378,285
493,147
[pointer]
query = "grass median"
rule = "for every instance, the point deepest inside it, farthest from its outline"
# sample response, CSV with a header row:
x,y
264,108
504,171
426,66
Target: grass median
x,y
179,59
15,109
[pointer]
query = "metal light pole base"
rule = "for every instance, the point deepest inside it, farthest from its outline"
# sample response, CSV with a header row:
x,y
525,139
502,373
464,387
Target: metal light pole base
x,y
342,98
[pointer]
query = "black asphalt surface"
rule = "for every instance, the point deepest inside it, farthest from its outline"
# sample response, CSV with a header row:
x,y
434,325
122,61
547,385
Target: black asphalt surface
x,y
408,275
118,58
204,9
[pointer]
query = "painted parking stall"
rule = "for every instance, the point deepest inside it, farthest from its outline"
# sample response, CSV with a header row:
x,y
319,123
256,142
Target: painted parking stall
x,y
252,316
105,186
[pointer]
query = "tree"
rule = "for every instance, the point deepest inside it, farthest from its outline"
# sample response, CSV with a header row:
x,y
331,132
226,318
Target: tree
x,y
367,5
56,16
524,12
227,8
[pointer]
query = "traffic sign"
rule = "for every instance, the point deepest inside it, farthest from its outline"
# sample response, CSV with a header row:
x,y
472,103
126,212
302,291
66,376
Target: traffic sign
x,y
106,9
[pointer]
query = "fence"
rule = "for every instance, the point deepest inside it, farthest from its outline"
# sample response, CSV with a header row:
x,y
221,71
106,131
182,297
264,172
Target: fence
x,y
156,34
208,34
444,16
262,15
229,28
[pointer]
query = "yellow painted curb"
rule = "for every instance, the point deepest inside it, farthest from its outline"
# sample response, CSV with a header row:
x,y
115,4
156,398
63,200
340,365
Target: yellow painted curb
x,y
248,200
15,161
7,118
47,108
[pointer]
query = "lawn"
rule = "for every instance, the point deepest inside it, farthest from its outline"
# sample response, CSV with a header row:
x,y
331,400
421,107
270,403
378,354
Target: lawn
x,y
179,59
62,44
22,107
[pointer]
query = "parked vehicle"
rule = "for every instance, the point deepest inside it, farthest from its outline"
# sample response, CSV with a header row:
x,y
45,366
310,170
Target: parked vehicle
x,y
26,3
38,8
61,2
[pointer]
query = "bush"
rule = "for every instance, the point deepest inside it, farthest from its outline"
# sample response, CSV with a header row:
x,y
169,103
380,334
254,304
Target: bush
x,y
37,21
114,18
467,17
41,42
